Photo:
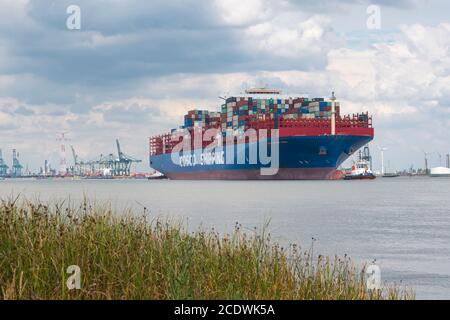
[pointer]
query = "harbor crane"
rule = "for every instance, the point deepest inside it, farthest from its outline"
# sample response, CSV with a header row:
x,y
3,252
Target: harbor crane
x,y
75,157
79,166
16,170
3,167
106,165
122,166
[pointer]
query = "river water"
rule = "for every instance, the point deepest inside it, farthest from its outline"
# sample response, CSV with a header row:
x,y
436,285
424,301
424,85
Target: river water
x,y
403,223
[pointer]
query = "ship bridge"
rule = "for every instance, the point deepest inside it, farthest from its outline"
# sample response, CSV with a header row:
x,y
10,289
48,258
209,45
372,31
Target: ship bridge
x,y
267,93
262,91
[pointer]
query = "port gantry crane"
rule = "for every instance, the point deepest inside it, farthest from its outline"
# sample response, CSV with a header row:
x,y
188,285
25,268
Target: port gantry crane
x,y
81,167
3,167
76,163
122,166
16,170
109,164
105,164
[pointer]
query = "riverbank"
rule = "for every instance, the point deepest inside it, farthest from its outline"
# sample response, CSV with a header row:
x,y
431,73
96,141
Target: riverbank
x,y
129,256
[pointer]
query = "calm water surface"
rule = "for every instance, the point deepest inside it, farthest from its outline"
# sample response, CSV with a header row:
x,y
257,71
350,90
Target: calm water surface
x,y
403,223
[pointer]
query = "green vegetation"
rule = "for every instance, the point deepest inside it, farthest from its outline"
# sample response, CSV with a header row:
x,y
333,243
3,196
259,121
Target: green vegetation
x,y
122,256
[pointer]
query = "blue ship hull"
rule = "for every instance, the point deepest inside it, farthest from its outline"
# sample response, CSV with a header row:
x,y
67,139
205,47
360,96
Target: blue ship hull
x,y
300,157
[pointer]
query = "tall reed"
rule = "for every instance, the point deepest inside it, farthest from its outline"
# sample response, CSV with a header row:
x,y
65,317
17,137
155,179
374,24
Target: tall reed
x,y
126,256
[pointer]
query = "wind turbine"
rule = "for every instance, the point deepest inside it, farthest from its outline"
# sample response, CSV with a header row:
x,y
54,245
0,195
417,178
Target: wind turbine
x,y
382,150
426,161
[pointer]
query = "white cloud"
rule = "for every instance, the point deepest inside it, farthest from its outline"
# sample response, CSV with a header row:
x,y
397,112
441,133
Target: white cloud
x,y
238,12
94,39
291,37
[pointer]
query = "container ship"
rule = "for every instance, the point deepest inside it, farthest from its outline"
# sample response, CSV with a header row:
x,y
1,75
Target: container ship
x,y
262,135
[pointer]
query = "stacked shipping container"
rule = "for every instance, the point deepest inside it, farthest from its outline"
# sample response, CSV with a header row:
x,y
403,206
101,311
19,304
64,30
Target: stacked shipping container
x,y
201,118
238,113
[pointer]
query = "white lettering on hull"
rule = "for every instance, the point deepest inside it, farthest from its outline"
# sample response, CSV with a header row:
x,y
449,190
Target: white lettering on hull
x,y
202,159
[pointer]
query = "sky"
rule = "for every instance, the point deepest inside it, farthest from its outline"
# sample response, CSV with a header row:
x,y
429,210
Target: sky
x,y
135,67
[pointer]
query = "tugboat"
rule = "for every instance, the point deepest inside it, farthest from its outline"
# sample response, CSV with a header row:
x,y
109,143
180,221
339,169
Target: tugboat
x,y
361,168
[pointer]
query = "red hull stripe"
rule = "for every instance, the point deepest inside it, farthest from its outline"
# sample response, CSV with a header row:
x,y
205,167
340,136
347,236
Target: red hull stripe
x,y
283,174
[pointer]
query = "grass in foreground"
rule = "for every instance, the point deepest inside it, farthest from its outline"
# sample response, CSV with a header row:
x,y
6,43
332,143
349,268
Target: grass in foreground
x,y
128,257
